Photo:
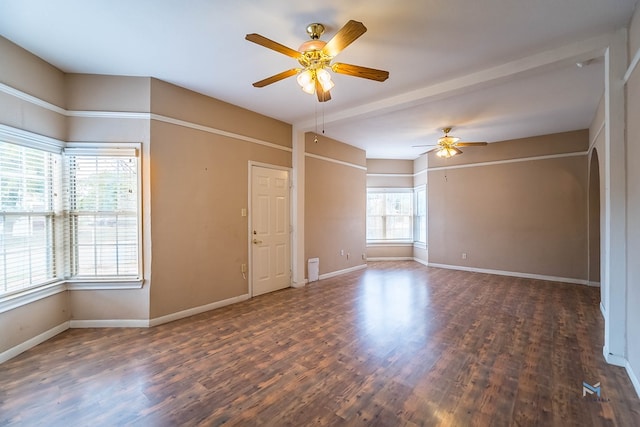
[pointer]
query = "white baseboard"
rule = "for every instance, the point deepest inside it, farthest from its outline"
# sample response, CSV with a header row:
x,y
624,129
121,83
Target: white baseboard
x,y
421,261
400,258
390,258
341,272
594,284
614,359
196,310
633,377
30,343
511,273
109,323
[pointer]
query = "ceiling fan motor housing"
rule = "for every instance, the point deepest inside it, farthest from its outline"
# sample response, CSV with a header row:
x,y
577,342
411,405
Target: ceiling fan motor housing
x,y
315,30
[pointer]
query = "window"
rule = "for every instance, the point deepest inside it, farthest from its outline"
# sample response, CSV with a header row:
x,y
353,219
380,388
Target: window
x,y
67,216
27,217
420,234
101,196
389,214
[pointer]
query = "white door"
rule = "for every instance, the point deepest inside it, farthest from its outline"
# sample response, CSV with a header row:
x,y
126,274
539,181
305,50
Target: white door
x,y
270,230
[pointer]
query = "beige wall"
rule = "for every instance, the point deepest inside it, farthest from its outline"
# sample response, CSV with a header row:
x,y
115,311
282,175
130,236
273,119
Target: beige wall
x,y
196,262
178,103
633,205
389,173
90,92
199,185
335,204
21,70
115,94
21,324
520,217
382,252
24,71
420,171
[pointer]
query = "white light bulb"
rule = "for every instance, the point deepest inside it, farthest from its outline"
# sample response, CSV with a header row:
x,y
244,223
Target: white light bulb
x,y
305,77
325,79
323,75
309,88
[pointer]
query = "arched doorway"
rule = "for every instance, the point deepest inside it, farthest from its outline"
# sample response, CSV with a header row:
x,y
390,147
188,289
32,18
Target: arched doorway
x,y
594,221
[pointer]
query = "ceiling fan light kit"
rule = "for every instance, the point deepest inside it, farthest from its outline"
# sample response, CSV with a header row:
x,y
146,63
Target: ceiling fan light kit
x,y
315,57
448,152
447,145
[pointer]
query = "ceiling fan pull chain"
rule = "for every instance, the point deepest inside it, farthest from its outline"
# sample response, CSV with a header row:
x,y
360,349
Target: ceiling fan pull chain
x,y
315,138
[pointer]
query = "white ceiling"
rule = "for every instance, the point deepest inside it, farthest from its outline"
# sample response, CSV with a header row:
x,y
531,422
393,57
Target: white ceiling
x,y
492,69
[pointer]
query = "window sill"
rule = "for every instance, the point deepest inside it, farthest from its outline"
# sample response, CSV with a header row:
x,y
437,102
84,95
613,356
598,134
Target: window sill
x,y
374,243
28,296
9,302
101,285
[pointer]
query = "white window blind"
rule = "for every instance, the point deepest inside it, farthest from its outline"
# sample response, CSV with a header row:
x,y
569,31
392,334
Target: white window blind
x,y
101,227
28,198
420,231
389,215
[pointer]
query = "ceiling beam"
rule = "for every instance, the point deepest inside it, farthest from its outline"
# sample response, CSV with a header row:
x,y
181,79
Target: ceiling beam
x,y
580,51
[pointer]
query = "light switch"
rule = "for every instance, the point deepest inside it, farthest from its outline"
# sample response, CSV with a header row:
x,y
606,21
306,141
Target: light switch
x,y
243,212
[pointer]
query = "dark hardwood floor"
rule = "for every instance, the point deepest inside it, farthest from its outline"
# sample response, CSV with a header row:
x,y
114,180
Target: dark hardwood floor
x,y
397,344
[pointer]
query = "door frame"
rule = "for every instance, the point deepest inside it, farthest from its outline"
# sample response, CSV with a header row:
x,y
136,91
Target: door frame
x,y
249,271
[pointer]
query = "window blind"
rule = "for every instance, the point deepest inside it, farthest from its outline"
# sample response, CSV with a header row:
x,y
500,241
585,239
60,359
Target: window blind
x,y
389,215
28,201
101,213
420,230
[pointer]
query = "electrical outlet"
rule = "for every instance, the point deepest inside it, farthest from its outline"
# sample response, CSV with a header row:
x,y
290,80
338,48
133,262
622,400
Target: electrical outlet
x,y
341,252
464,255
243,212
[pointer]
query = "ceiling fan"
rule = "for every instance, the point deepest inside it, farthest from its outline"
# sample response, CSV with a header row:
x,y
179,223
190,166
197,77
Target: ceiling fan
x,y
447,145
315,57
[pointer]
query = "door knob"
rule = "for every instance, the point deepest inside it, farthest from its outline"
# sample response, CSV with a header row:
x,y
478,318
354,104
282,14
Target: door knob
x,y
256,241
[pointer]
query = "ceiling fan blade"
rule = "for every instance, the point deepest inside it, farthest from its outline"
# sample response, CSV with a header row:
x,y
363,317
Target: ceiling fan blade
x,y
425,145
323,96
358,71
470,144
270,44
430,150
277,77
344,37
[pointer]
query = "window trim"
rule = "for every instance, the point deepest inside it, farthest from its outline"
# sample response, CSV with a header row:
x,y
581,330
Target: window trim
x,y
21,297
132,149
30,295
394,242
416,189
